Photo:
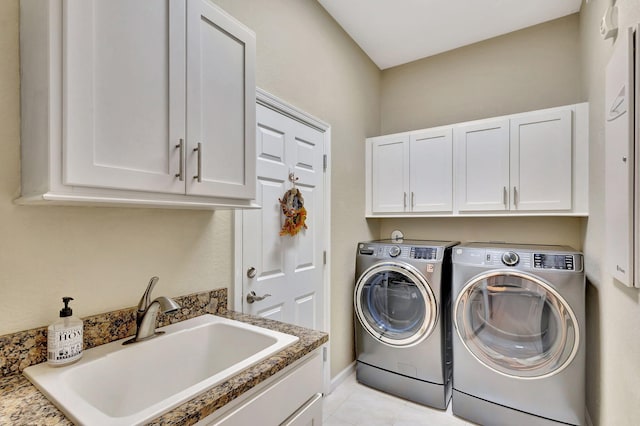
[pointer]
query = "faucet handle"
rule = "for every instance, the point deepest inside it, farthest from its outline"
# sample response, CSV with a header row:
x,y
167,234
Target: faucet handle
x,y
145,300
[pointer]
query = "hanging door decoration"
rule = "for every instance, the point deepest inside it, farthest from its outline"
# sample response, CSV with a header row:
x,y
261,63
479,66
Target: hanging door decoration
x,y
293,209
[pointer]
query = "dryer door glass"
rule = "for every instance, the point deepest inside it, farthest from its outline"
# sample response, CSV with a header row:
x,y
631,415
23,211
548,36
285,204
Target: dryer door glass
x,y
516,324
395,304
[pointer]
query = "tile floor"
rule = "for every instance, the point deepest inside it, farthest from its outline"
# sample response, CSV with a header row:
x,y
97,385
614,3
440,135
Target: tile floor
x,y
354,404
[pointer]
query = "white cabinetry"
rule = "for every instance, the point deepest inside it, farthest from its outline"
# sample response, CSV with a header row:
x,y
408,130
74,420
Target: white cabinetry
x,y
411,172
390,182
534,163
541,163
292,397
482,165
137,103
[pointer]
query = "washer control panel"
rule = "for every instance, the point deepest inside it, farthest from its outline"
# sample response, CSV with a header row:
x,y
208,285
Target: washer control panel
x,y
398,251
554,261
426,253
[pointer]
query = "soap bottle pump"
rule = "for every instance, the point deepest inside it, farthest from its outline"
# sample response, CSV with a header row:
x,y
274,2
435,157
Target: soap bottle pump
x,y
64,337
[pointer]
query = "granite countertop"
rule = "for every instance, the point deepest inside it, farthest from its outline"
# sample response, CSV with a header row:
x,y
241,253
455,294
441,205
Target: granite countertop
x,y
21,403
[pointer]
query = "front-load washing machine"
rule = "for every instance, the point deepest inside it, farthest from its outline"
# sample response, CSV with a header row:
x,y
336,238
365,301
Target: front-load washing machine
x,y
519,339
403,329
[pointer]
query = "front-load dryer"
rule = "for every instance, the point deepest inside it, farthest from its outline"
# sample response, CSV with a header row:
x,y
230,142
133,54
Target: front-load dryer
x,y
519,339
403,329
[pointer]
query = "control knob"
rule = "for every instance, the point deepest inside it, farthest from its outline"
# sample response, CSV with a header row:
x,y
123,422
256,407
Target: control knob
x,y
510,258
394,251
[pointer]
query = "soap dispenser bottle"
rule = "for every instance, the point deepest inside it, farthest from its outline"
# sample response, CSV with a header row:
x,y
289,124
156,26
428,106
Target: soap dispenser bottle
x,y
64,338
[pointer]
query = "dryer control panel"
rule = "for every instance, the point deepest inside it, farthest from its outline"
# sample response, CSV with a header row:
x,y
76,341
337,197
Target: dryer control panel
x,y
566,262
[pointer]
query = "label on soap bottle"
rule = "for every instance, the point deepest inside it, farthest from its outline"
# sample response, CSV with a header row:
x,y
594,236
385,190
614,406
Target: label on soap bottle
x,y
64,345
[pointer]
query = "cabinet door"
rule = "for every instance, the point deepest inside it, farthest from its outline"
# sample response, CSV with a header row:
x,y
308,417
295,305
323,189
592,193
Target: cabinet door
x,y
482,151
541,161
431,171
220,104
389,176
123,94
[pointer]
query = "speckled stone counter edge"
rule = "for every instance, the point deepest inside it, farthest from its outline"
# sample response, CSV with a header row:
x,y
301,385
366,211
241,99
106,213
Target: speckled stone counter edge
x,y
22,403
24,348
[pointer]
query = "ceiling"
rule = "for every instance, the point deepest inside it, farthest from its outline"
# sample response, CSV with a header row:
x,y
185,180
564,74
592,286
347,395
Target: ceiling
x,y
394,32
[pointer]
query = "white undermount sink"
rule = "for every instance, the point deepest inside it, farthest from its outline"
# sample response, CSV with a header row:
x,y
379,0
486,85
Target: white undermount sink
x,y
128,385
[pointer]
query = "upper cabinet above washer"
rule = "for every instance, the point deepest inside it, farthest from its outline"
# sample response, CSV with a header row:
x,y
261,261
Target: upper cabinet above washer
x,y
137,103
413,171
534,164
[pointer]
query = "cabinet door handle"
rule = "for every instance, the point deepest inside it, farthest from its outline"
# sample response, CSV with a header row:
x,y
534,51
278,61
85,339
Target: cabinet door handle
x,y
504,195
404,200
515,196
413,199
180,146
199,151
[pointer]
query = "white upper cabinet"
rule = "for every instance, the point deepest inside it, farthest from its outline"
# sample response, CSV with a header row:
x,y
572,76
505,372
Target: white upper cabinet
x,y
483,165
541,162
137,103
221,111
123,103
390,180
411,172
431,170
534,163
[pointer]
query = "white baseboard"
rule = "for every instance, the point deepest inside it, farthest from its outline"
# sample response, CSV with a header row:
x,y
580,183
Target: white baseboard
x,y
340,377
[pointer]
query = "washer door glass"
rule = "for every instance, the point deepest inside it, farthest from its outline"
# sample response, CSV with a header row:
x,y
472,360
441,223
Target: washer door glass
x,y
395,304
516,324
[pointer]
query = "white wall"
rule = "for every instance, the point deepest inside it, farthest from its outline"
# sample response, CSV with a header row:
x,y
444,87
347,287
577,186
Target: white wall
x,y
613,339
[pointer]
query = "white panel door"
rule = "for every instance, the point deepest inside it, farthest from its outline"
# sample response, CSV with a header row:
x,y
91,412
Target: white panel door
x,y
541,161
482,151
289,269
124,113
431,171
390,173
220,150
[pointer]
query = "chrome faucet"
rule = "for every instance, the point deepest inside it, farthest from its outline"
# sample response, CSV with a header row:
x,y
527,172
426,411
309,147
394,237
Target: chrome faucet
x,y
148,312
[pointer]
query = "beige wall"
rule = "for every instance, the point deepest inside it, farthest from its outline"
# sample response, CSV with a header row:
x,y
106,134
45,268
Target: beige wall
x,y
613,339
534,68
543,230
103,257
305,58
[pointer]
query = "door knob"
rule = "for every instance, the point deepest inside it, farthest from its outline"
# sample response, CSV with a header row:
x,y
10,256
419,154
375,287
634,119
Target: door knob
x,y
251,272
252,297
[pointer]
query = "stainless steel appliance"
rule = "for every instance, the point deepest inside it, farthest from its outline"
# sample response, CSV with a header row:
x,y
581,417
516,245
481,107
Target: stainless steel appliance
x,y
518,345
403,329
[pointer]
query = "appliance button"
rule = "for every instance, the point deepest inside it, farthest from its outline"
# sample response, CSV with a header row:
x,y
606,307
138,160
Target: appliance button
x,y
510,258
394,251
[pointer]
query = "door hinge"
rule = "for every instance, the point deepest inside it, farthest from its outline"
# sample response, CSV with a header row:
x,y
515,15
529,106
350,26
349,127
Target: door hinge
x,y
324,257
324,162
